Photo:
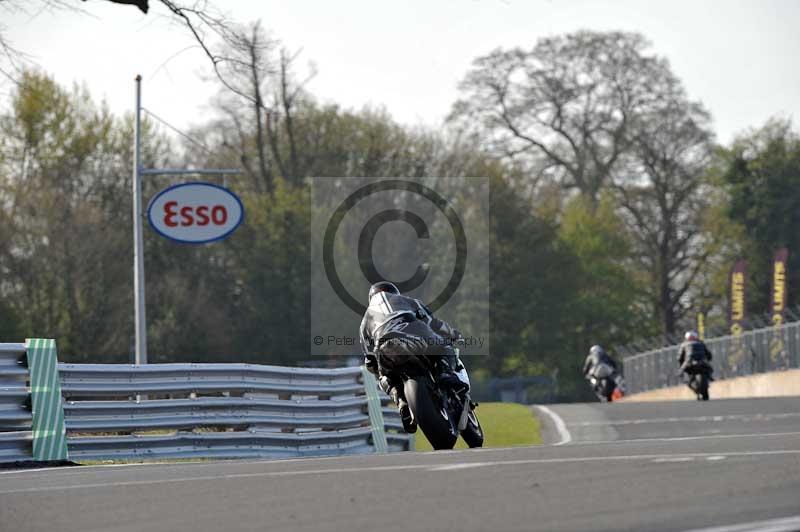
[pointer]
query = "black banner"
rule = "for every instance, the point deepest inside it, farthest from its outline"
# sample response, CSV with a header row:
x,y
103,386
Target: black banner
x,y
779,296
737,297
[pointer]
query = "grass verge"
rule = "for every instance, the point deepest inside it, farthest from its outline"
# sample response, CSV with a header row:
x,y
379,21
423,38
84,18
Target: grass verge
x,y
504,425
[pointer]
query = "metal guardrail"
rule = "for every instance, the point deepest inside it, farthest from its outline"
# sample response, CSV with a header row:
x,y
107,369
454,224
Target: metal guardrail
x,y
756,351
119,380
15,411
218,411
250,443
115,411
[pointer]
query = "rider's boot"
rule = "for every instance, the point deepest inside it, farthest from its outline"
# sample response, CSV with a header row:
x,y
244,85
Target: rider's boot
x,y
396,393
409,423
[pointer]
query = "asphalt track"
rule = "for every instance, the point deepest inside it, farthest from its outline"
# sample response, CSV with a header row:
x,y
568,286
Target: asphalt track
x,y
653,467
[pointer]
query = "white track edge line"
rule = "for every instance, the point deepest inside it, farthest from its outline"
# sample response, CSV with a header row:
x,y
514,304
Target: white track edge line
x,y
561,427
786,524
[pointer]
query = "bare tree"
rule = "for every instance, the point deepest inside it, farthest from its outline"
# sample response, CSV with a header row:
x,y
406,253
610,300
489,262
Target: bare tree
x,y
143,5
248,68
262,73
290,92
664,202
204,21
566,105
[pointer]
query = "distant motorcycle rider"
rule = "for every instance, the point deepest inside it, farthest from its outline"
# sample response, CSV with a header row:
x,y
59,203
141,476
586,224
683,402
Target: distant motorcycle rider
x,y
399,325
601,372
596,360
694,356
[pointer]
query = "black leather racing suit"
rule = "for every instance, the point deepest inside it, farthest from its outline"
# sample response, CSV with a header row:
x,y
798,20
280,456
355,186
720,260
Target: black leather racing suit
x,y
694,356
595,359
400,325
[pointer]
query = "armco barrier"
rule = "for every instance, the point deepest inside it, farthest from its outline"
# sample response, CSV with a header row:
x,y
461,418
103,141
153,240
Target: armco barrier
x,y
16,431
218,411
159,411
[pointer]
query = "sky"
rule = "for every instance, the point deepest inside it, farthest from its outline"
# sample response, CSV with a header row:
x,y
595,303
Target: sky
x,y
738,57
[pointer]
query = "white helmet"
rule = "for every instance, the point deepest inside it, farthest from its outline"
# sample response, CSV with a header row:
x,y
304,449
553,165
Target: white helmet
x,y
691,336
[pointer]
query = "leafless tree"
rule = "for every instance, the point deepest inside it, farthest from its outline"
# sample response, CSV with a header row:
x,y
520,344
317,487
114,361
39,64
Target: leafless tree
x,y
565,105
200,17
248,68
662,194
258,70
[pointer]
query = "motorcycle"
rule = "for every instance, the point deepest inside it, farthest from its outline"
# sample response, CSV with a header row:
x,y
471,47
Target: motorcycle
x,y
441,412
607,385
698,378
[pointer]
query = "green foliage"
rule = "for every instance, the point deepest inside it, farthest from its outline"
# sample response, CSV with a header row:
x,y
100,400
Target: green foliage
x,y
59,247
271,315
762,177
532,287
607,306
608,289
9,328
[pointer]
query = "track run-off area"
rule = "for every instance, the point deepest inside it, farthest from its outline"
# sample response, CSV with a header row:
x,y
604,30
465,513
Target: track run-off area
x,y
668,466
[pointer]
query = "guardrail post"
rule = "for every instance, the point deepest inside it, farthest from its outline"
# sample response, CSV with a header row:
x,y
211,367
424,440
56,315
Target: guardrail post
x,y
49,432
375,412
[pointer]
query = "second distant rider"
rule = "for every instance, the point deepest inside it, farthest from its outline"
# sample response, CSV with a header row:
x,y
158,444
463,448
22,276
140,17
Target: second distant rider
x,y
595,362
694,356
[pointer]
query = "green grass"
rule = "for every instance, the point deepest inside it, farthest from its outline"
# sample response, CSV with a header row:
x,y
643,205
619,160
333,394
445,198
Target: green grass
x,y
504,425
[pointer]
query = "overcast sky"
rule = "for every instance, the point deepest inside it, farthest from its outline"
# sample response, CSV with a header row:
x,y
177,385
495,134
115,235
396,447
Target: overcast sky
x,y
739,57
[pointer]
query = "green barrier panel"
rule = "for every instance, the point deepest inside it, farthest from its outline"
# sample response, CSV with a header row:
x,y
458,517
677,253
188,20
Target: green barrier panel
x,y
49,432
375,411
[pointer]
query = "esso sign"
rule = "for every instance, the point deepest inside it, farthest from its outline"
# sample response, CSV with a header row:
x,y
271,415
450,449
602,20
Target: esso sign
x,y
195,213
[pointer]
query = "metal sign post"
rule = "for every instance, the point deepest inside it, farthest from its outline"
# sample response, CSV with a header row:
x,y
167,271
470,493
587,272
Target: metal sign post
x,y
138,247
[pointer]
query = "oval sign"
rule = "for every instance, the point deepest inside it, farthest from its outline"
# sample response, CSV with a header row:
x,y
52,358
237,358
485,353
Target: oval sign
x,y
195,213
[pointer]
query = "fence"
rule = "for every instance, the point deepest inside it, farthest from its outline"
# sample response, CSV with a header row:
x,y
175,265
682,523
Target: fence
x,y
156,411
664,341
756,351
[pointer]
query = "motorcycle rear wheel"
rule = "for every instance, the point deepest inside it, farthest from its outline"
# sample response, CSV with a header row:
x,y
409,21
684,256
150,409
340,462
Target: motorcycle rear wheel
x,y
435,422
699,384
703,387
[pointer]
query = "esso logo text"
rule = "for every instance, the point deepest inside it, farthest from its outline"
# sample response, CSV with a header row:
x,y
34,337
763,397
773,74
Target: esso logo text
x,y
195,213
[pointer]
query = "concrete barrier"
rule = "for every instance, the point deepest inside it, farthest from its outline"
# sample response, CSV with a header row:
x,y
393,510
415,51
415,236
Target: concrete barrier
x,y
775,384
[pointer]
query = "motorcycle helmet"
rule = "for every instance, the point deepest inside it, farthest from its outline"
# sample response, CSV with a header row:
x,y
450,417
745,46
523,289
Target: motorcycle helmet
x,y
691,336
596,350
383,286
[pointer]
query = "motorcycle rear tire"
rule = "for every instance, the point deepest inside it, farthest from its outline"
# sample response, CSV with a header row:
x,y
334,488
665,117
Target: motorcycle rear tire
x,y
435,422
699,384
703,387
604,389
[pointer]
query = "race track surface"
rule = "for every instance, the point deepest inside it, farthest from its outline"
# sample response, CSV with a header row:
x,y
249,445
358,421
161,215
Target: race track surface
x,y
655,467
